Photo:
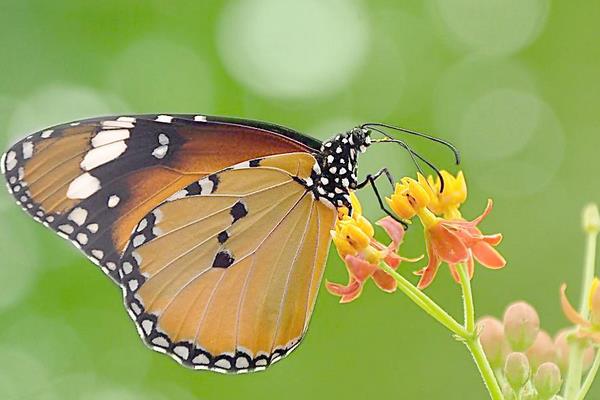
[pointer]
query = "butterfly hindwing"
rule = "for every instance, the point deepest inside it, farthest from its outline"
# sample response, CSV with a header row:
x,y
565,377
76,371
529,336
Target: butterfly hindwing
x,y
92,181
225,278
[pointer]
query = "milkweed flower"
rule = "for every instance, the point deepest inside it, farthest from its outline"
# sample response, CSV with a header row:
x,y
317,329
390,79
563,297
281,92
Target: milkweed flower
x,y
450,238
354,240
588,327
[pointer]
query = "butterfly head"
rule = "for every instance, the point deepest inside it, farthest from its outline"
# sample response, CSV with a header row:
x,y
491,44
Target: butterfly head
x,y
335,173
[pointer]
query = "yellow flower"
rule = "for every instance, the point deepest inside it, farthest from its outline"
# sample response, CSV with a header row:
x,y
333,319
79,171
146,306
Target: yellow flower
x,y
445,203
408,199
353,239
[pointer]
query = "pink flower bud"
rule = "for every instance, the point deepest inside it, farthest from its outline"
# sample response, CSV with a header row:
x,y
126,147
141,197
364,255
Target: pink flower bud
x,y
561,346
547,380
516,370
521,325
541,351
493,341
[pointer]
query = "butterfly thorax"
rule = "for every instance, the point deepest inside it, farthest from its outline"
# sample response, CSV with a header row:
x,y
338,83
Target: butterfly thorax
x,y
334,174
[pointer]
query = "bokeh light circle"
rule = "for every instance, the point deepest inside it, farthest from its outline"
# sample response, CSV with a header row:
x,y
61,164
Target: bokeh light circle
x,y
493,26
291,49
157,75
499,124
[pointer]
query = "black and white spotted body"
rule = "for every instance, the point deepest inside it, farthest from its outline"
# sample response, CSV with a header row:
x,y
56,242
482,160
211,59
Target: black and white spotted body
x,y
334,174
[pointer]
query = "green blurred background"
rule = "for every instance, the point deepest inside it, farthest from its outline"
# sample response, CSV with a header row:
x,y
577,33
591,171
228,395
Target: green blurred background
x,y
514,83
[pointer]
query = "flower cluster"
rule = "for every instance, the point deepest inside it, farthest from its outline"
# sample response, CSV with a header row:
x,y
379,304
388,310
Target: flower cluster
x,y
449,237
526,359
354,239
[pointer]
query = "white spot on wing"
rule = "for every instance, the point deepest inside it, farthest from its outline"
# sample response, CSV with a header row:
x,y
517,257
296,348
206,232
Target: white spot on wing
x,y
102,155
93,228
82,238
47,133
163,139
127,268
164,118
200,118
160,151
147,326
206,186
139,240
113,201
68,229
78,215
182,352
10,161
201,359
126,119
160,341
178,195
110,136
83,186
99,254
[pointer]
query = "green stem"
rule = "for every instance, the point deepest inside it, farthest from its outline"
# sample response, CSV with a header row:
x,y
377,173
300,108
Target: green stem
x,y
472,341
576,349
425,302
468,305
589,379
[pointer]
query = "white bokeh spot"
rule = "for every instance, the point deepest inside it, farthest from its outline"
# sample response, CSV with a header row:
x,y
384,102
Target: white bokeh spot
x,y
291,49
493,26
500,123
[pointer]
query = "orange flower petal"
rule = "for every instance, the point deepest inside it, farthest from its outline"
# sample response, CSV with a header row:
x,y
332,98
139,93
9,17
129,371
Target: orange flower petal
x,y
568,309
384,281
429,272
446,245
487,256
346,292
394,230
359,269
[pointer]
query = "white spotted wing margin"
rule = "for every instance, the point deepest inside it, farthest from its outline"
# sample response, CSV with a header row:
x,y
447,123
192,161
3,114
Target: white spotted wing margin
x,y
223,276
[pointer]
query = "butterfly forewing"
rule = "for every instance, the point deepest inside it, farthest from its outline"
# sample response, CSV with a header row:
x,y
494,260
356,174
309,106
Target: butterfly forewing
x,y
226,278
92,181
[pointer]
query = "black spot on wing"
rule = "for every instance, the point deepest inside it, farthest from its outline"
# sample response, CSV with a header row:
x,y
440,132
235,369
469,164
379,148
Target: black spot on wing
x,y
254,163
223,259
238,211
223,236
214,178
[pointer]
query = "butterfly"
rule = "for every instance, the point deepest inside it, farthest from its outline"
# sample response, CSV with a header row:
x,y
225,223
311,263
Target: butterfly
x,y
216,229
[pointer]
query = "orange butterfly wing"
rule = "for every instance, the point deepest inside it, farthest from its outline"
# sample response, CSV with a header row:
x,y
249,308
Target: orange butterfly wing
x,y
92,181
226,279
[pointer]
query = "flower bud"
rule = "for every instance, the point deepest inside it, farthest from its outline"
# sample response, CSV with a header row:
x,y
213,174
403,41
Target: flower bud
x,y
521,325
561,346
547,380
516,370
493,341
541,351
591,218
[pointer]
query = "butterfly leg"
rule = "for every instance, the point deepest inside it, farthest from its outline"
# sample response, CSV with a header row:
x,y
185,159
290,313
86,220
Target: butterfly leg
x,y
371,179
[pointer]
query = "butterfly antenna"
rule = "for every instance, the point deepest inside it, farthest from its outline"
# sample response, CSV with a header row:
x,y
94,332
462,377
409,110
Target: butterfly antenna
x,y
413,155
449,145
